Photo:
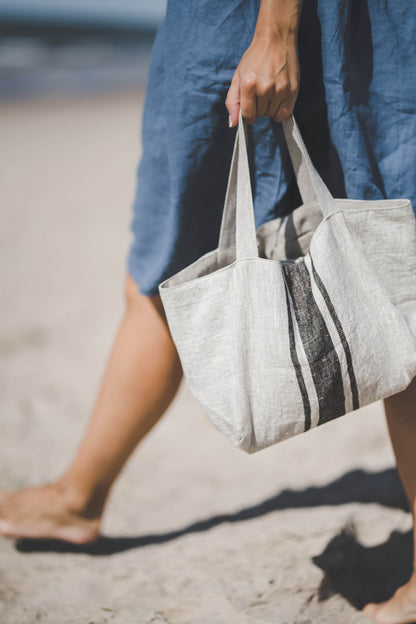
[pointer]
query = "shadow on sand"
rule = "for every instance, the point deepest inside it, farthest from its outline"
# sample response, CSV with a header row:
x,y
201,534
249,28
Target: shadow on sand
x,y
364,574
360,574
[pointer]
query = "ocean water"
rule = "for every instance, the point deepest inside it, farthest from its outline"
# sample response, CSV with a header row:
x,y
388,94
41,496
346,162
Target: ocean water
x,y
76,48
34,66
138,12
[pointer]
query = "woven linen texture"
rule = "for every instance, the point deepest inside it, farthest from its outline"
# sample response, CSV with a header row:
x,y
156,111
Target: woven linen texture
x,y
303,321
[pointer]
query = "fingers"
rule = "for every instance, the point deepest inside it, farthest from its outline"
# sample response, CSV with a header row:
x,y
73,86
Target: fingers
x,y
267,88
258,100
248,96
276,99
242,92
284,104
233,100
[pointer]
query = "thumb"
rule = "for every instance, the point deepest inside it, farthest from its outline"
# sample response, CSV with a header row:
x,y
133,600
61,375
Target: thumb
x,y
233,100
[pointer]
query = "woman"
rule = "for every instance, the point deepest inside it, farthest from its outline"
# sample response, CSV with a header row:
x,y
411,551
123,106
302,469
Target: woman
x,y
356,109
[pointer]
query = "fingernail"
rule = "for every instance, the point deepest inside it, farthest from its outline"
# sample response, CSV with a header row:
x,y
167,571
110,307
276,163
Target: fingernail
x,y
230,121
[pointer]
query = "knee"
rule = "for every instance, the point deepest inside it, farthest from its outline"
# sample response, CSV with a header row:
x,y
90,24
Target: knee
x,y
132,294
134,298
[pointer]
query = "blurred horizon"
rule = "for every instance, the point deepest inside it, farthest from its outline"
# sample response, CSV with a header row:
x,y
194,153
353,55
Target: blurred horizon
x,y
75,47
122,13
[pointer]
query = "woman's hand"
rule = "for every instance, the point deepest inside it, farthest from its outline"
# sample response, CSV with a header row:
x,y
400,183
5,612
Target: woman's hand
x,y
266,81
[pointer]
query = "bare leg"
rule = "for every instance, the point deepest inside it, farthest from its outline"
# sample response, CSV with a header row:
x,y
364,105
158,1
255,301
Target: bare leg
x,y
142,376
401,420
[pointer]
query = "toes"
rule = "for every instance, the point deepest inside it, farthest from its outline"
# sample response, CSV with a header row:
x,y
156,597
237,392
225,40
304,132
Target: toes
x,y
6,529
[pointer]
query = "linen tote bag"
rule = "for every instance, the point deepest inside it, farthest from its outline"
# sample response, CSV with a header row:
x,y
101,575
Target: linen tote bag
x,y
307,319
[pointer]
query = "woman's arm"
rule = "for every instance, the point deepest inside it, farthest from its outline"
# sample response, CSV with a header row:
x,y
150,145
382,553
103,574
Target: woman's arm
x,y
266,81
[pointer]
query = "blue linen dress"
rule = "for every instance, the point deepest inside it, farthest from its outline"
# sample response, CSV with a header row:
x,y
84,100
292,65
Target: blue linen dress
x,y
356,110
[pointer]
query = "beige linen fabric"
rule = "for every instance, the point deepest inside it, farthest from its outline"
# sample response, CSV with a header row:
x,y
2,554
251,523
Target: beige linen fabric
x,y
309,318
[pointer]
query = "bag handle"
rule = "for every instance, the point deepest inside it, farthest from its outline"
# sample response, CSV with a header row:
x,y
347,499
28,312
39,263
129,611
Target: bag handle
x,y
237,225
310,183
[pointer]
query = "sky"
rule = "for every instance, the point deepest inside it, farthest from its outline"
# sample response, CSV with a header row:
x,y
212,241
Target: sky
x,y
119,11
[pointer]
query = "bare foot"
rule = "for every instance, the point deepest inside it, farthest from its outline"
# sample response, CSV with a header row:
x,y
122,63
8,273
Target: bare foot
x,y
400,609
45,513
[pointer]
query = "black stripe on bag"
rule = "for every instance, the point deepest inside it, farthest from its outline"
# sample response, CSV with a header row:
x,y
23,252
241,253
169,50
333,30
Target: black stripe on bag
x,y
344,342
297,366
319,348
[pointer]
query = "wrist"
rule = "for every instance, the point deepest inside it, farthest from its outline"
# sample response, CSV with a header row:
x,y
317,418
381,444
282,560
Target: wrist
x,y
270,33
278,20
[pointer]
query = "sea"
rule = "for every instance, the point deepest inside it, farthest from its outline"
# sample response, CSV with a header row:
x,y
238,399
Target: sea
x,y
75,48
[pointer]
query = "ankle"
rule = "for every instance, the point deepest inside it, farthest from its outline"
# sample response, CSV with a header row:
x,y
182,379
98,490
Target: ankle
x,y
412,587
81,500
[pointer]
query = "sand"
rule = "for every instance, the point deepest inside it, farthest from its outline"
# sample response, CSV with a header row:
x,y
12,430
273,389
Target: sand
x,y
196,532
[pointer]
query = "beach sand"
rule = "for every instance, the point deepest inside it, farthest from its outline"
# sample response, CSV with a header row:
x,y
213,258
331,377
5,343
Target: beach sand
x,y
196,531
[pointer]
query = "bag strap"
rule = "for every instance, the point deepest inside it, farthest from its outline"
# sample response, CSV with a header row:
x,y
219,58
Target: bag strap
x,y
310,183
237,225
